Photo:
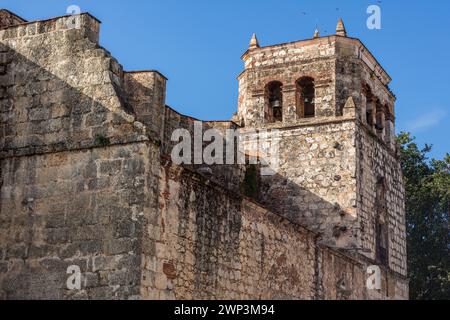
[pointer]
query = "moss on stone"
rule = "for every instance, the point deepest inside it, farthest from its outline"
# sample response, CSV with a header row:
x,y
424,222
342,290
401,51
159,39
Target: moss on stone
x,y
101,140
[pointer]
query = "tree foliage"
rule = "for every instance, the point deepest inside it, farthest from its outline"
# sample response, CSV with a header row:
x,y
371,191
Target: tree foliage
x,y
427,185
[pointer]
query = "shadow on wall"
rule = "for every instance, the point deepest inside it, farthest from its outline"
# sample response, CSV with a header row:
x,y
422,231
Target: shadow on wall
x,y
277,192
337,227
73,168
230,247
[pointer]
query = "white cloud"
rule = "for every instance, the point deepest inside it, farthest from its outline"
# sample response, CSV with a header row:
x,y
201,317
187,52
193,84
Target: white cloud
x,y
427,120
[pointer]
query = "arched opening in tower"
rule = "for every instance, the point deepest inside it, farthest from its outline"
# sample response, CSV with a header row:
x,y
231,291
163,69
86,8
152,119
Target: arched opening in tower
x,y
306,98
274,94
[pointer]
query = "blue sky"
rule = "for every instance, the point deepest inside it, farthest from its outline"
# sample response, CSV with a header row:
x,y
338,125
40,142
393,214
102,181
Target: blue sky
x,y
197,44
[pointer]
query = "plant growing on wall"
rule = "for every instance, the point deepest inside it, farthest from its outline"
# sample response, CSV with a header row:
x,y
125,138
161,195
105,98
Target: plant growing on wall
x,y
101,140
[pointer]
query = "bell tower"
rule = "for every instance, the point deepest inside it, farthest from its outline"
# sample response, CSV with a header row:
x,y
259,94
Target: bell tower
x,y
329,99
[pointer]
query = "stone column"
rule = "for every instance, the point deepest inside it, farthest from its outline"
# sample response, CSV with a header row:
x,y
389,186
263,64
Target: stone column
x,y
362,110
380,125
257,109
371,105
324,100
289,104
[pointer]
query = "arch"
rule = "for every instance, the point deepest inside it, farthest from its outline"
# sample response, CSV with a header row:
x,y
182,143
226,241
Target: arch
x,y
389,123
306,97
274,102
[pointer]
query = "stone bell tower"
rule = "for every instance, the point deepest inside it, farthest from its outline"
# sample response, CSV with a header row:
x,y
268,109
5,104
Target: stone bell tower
x,y
338,172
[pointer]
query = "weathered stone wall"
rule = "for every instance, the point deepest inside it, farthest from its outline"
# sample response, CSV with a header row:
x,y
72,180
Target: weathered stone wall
x,y
8,18
76,169
86,208
213,244
315,184
86,180
376,161
227,174
343,277
60,90
173,121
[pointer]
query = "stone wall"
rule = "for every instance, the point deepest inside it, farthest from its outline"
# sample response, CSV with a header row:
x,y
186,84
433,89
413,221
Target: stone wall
x,y
376,161
76,168
146,92
315,184
213,244
61,90
227,174
86,208
174,120
218,247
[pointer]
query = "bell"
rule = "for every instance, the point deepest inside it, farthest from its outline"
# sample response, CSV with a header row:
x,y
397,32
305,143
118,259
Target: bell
x,y
276,104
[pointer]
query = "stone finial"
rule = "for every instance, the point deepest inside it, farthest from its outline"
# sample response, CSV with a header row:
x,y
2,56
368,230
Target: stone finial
x,y
254,44
316,33
340,28
349,108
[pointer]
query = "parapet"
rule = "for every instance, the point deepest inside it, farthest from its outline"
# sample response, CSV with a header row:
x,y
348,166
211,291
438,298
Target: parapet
x,y
301,51
12,26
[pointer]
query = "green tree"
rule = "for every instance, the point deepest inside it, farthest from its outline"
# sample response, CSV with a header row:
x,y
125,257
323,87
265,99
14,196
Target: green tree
x,y
427,185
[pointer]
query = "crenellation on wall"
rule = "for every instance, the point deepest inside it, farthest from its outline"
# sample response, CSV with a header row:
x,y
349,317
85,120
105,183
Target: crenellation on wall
x,y
85,24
